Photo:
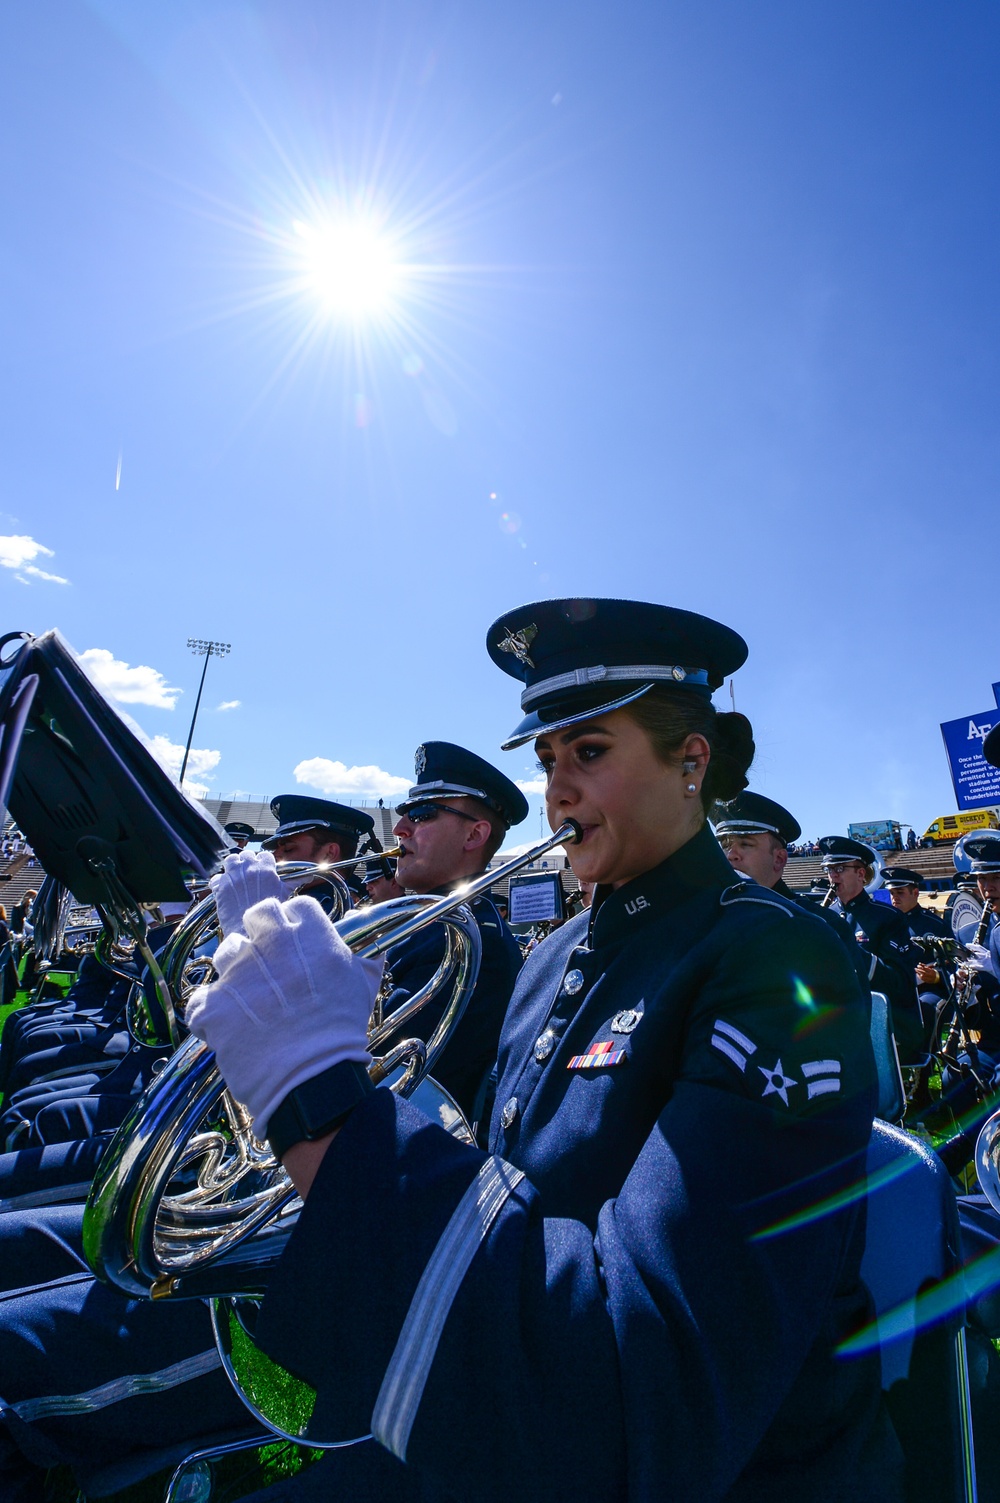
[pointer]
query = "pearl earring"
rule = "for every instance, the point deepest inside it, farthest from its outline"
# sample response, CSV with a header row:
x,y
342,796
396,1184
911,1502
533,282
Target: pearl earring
x,y
692,788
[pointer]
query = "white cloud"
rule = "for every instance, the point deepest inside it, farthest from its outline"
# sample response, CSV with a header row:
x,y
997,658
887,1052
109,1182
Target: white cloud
x,y
170,755
17,552
201,762
532,785
229,704
125,685
361,782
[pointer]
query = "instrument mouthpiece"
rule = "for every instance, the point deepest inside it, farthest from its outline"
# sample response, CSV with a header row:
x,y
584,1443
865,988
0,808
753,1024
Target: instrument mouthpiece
x,y
576,833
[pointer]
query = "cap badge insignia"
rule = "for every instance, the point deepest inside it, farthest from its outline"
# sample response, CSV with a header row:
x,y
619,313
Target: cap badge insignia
x,y
420,760
518,643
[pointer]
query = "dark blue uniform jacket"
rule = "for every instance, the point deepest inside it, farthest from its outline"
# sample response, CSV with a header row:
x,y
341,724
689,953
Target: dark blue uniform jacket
x,y
468,1057
844,931
650,1312
885,935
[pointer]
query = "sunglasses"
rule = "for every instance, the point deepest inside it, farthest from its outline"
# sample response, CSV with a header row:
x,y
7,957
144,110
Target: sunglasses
x,y
422,813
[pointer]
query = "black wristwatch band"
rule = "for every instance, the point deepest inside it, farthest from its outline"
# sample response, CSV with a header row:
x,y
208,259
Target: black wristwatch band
x,y
318,1106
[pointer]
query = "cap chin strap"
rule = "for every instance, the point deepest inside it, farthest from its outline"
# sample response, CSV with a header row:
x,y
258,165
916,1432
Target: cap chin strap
x,y
584,678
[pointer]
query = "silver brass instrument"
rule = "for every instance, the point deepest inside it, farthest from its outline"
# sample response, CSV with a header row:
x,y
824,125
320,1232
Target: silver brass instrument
x,y
150,1242
187,1203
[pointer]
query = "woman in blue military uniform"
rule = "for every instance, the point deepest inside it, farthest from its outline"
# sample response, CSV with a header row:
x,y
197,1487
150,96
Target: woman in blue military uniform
x,y
638,1293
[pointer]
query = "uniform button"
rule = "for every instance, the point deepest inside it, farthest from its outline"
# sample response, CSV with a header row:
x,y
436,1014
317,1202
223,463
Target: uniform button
x,y
544,1045
509,1114
572,982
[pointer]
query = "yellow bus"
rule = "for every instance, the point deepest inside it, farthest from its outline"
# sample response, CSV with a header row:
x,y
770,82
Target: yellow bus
x,y
947,828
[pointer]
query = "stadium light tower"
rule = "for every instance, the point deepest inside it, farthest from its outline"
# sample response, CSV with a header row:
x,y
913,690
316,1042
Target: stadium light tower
x,y
206,650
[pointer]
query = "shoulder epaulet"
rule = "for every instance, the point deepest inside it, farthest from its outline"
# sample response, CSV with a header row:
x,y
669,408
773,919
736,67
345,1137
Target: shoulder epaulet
x,y
752,892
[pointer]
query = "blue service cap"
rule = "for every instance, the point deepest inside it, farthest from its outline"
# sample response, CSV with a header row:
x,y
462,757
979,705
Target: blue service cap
x,y
839,848
296,812
445,771
378,868
901,876
753,814
580,658
984,850
237,828
991,745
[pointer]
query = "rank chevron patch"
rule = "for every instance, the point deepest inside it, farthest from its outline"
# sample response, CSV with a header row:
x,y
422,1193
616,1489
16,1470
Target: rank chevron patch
x,y
733,1044
822,1076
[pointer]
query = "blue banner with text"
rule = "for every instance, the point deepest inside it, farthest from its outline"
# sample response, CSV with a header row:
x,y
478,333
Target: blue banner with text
x,y
976,783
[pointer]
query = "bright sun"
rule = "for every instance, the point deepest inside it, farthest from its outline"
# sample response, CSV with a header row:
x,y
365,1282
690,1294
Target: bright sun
x,y
349,265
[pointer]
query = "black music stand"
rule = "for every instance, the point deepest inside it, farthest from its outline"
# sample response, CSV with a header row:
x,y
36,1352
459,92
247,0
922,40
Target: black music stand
x,y
100,813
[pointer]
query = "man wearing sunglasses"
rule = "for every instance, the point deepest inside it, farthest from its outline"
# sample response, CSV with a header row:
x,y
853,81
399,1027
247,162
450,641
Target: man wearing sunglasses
x,y
451,824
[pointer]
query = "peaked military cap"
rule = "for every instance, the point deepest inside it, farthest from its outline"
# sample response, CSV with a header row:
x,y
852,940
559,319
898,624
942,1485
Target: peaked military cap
x,y
580,658
991,746
379,868
753,814
444,771
984,850
239,830
901,876
296,812
838,848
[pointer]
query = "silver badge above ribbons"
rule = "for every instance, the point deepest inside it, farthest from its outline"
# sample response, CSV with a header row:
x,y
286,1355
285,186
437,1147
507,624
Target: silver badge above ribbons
x,y
626,1021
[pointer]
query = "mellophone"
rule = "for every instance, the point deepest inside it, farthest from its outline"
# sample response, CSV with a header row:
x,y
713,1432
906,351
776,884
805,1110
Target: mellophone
x,y
187,1203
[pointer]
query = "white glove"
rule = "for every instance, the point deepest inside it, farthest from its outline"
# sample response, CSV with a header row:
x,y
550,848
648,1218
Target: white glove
x,y
246,878
291,1000
981,959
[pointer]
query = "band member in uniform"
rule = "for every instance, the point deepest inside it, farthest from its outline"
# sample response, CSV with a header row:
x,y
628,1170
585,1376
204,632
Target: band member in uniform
x,y
379,879
970,1085
158,1366
904,888
984,962
318,830
883,933
240,833
755,833
627,1296
451,824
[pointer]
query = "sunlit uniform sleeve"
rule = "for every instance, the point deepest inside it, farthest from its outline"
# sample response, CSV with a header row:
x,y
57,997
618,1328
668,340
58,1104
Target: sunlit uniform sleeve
x,y
651,1310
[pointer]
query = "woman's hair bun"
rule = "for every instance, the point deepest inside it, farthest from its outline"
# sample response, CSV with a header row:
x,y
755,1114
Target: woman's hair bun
x,y
732,754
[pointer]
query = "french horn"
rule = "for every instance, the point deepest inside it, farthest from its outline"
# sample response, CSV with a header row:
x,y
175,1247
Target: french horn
x,y
187,1203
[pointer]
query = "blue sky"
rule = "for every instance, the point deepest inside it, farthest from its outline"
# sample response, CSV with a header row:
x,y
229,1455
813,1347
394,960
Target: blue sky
x,y
698,304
